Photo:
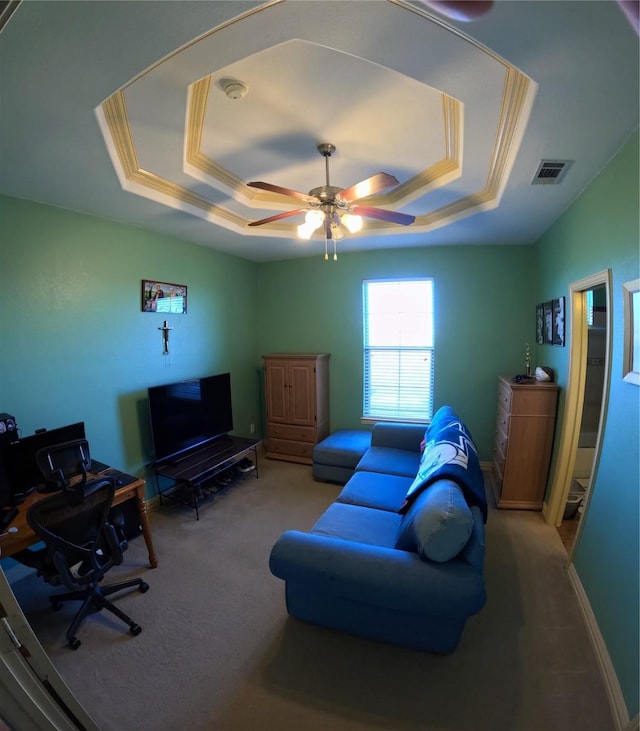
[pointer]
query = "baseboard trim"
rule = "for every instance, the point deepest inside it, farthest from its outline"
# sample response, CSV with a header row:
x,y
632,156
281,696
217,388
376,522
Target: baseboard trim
x,y
611,684
152,503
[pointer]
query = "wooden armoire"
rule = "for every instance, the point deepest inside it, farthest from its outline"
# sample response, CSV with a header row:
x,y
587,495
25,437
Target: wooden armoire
x,y
297,404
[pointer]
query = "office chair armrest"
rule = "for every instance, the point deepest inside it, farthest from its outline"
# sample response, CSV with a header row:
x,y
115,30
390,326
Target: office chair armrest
x,y
114,544
116,518
64,571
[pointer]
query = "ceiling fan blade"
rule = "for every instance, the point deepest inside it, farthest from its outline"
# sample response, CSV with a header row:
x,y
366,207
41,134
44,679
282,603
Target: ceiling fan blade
x,y
284,191
374,184
277,217
392,216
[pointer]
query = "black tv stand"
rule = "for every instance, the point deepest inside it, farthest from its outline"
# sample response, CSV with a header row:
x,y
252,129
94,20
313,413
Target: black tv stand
x,y
198,473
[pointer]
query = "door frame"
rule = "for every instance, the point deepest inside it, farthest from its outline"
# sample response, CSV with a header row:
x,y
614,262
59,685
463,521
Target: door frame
x,y
553,507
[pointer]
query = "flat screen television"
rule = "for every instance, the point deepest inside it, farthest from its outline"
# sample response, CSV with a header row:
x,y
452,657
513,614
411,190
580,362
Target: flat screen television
x,y
188,414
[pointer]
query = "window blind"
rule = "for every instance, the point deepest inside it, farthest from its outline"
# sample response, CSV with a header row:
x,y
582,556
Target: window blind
x,y
398,349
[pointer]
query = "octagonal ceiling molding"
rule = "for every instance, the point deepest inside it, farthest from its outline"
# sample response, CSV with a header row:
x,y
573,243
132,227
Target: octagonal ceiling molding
x,y
205,169
452,143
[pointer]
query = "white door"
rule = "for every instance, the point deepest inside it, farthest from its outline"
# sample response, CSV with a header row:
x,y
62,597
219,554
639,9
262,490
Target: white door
x,y
33,696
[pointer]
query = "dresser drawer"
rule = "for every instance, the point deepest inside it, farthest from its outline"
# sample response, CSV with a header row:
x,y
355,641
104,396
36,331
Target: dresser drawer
x,y
502,420
504,396
534,401
288,447
500,443
292,433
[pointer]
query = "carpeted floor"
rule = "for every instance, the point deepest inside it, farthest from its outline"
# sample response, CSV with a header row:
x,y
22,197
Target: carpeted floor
x,y
217,650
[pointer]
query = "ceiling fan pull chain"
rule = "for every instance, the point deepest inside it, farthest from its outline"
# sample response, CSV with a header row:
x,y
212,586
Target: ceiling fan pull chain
x,y
326,255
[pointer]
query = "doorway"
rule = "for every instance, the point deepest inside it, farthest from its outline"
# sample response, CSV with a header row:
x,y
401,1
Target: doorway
x,y
585,406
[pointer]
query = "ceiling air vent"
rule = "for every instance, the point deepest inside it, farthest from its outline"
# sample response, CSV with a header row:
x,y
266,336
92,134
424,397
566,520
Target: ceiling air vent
x,y
550,172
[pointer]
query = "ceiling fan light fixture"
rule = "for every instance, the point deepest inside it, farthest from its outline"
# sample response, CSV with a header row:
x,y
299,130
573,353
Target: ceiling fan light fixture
x,y
330,206
305,231
314,218
353,223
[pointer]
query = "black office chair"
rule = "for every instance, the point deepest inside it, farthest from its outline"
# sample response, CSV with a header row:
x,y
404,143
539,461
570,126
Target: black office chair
x,y
81,545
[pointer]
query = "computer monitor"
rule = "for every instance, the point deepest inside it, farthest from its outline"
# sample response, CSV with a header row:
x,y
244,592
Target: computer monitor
x,y
19,457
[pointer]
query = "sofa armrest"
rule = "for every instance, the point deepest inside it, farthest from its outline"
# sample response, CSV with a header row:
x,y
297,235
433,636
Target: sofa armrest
x,y
398,436
376,575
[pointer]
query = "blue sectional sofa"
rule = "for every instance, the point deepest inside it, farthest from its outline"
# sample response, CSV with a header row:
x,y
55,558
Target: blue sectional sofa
x,y
398,557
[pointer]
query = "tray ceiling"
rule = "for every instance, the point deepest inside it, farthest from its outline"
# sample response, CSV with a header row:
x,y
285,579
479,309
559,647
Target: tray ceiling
x,y
462,114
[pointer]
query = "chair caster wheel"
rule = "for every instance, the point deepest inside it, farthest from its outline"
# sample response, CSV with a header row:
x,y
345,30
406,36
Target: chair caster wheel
x,y
74,643
135,630
144,587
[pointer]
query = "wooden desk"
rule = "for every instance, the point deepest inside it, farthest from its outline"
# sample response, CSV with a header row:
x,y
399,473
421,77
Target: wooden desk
x,y
11,543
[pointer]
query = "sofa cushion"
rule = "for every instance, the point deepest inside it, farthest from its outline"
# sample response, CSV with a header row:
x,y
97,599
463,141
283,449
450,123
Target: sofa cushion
x,y
331,473
390,461
397,435
375,490
438,523
343,448
358,524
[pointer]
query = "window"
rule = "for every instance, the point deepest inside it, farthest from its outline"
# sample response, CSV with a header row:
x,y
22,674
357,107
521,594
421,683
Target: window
x,y
398,350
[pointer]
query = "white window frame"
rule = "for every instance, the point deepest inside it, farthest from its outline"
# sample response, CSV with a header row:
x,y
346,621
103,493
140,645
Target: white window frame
x,y
414,361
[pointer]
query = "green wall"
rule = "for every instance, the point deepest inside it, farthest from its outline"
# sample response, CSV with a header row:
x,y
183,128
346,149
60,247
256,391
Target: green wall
x,y
600,231
76,345
482,321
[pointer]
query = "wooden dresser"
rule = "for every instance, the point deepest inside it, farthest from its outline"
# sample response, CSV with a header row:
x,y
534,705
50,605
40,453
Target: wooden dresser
x,y
525,426
297,404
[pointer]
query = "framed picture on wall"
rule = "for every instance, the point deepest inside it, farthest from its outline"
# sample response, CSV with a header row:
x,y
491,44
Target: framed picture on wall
x,y
558,322
164,297
547,335
539,324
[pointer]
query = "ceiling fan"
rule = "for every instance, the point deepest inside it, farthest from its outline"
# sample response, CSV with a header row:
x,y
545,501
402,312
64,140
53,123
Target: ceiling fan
x,y
332,207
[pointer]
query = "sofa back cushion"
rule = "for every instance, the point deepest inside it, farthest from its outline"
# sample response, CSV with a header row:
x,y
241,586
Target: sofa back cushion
x,y
438,523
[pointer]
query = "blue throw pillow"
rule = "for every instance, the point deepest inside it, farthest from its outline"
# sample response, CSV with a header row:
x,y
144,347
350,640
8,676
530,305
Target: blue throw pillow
x,y
438,523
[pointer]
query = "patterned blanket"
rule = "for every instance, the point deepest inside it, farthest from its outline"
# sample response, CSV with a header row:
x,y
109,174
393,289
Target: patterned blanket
x,y
449,453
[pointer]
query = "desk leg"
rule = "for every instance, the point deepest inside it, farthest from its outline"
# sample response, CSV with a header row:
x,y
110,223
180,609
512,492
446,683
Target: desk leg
x,y
146,530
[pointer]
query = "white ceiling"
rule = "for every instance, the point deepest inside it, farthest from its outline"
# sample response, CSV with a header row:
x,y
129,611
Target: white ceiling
x,y
117,109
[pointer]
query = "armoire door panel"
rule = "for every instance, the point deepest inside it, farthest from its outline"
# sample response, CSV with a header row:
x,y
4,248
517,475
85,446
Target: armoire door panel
x,y
276,391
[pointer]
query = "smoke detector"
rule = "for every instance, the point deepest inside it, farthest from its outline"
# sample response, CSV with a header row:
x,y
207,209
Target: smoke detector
x,y
233,88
